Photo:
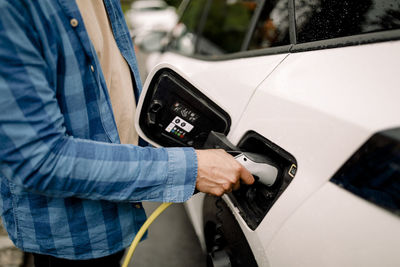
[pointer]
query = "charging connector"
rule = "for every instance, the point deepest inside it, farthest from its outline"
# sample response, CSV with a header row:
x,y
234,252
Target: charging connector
x,y
260,166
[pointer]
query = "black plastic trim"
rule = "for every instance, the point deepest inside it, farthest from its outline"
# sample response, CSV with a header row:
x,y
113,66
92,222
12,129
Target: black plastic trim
x,y
223,233
292,22
373,171
238,55
360,39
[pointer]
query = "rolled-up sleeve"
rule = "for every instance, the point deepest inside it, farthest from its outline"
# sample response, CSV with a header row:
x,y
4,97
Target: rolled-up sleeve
x,y
37,153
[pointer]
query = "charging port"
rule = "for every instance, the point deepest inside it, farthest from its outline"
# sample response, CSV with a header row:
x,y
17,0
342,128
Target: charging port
x,y
256,200
279,168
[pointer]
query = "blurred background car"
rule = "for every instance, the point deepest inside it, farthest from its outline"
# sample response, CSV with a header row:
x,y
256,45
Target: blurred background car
x,y
147,16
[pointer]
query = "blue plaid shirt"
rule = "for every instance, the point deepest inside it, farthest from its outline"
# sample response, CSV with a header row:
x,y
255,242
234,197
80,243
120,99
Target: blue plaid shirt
x,y
68,188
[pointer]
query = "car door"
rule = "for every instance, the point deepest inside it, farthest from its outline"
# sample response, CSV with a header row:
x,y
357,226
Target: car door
x,y
332,104
315,109
225,49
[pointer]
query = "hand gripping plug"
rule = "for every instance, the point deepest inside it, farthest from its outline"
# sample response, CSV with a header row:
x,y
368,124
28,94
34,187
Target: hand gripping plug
x,y
260,166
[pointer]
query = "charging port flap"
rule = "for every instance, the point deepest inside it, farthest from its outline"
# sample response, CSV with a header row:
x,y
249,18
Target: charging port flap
x,y
172,112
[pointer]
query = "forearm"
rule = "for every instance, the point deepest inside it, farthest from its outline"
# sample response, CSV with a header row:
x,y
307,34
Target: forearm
x,y
96,170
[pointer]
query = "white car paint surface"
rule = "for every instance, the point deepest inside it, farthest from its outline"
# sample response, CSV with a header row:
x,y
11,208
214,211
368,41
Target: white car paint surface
x,y
326,231
322,119
321,106
230,84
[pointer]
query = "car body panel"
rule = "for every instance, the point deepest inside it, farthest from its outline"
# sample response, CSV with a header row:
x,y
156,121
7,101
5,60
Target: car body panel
x,y
320,106
229,83
336,228
318,117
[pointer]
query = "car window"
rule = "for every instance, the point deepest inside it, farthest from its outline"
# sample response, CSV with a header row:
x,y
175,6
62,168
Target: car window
x,y
325,19
225,26
184,34
272,27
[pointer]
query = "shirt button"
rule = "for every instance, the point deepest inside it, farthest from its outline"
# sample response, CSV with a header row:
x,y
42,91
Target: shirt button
x,y
74,22
92,68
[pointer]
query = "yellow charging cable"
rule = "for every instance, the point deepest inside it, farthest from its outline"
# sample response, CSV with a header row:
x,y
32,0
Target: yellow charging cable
x,y
142,230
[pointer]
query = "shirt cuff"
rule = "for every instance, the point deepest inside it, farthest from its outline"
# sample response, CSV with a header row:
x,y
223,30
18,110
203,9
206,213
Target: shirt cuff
x,y
181,176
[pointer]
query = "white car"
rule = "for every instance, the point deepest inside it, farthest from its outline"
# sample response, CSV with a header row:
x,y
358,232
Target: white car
x,y
313,87
150,15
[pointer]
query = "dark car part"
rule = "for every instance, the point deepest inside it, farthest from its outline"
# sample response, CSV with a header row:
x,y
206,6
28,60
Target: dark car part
x,y
225,241
175,113
255,201
373,171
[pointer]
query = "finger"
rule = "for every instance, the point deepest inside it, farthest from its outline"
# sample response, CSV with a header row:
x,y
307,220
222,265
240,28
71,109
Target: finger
x,y
227,187
217,191
220,190
236,186
246,176
211,187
